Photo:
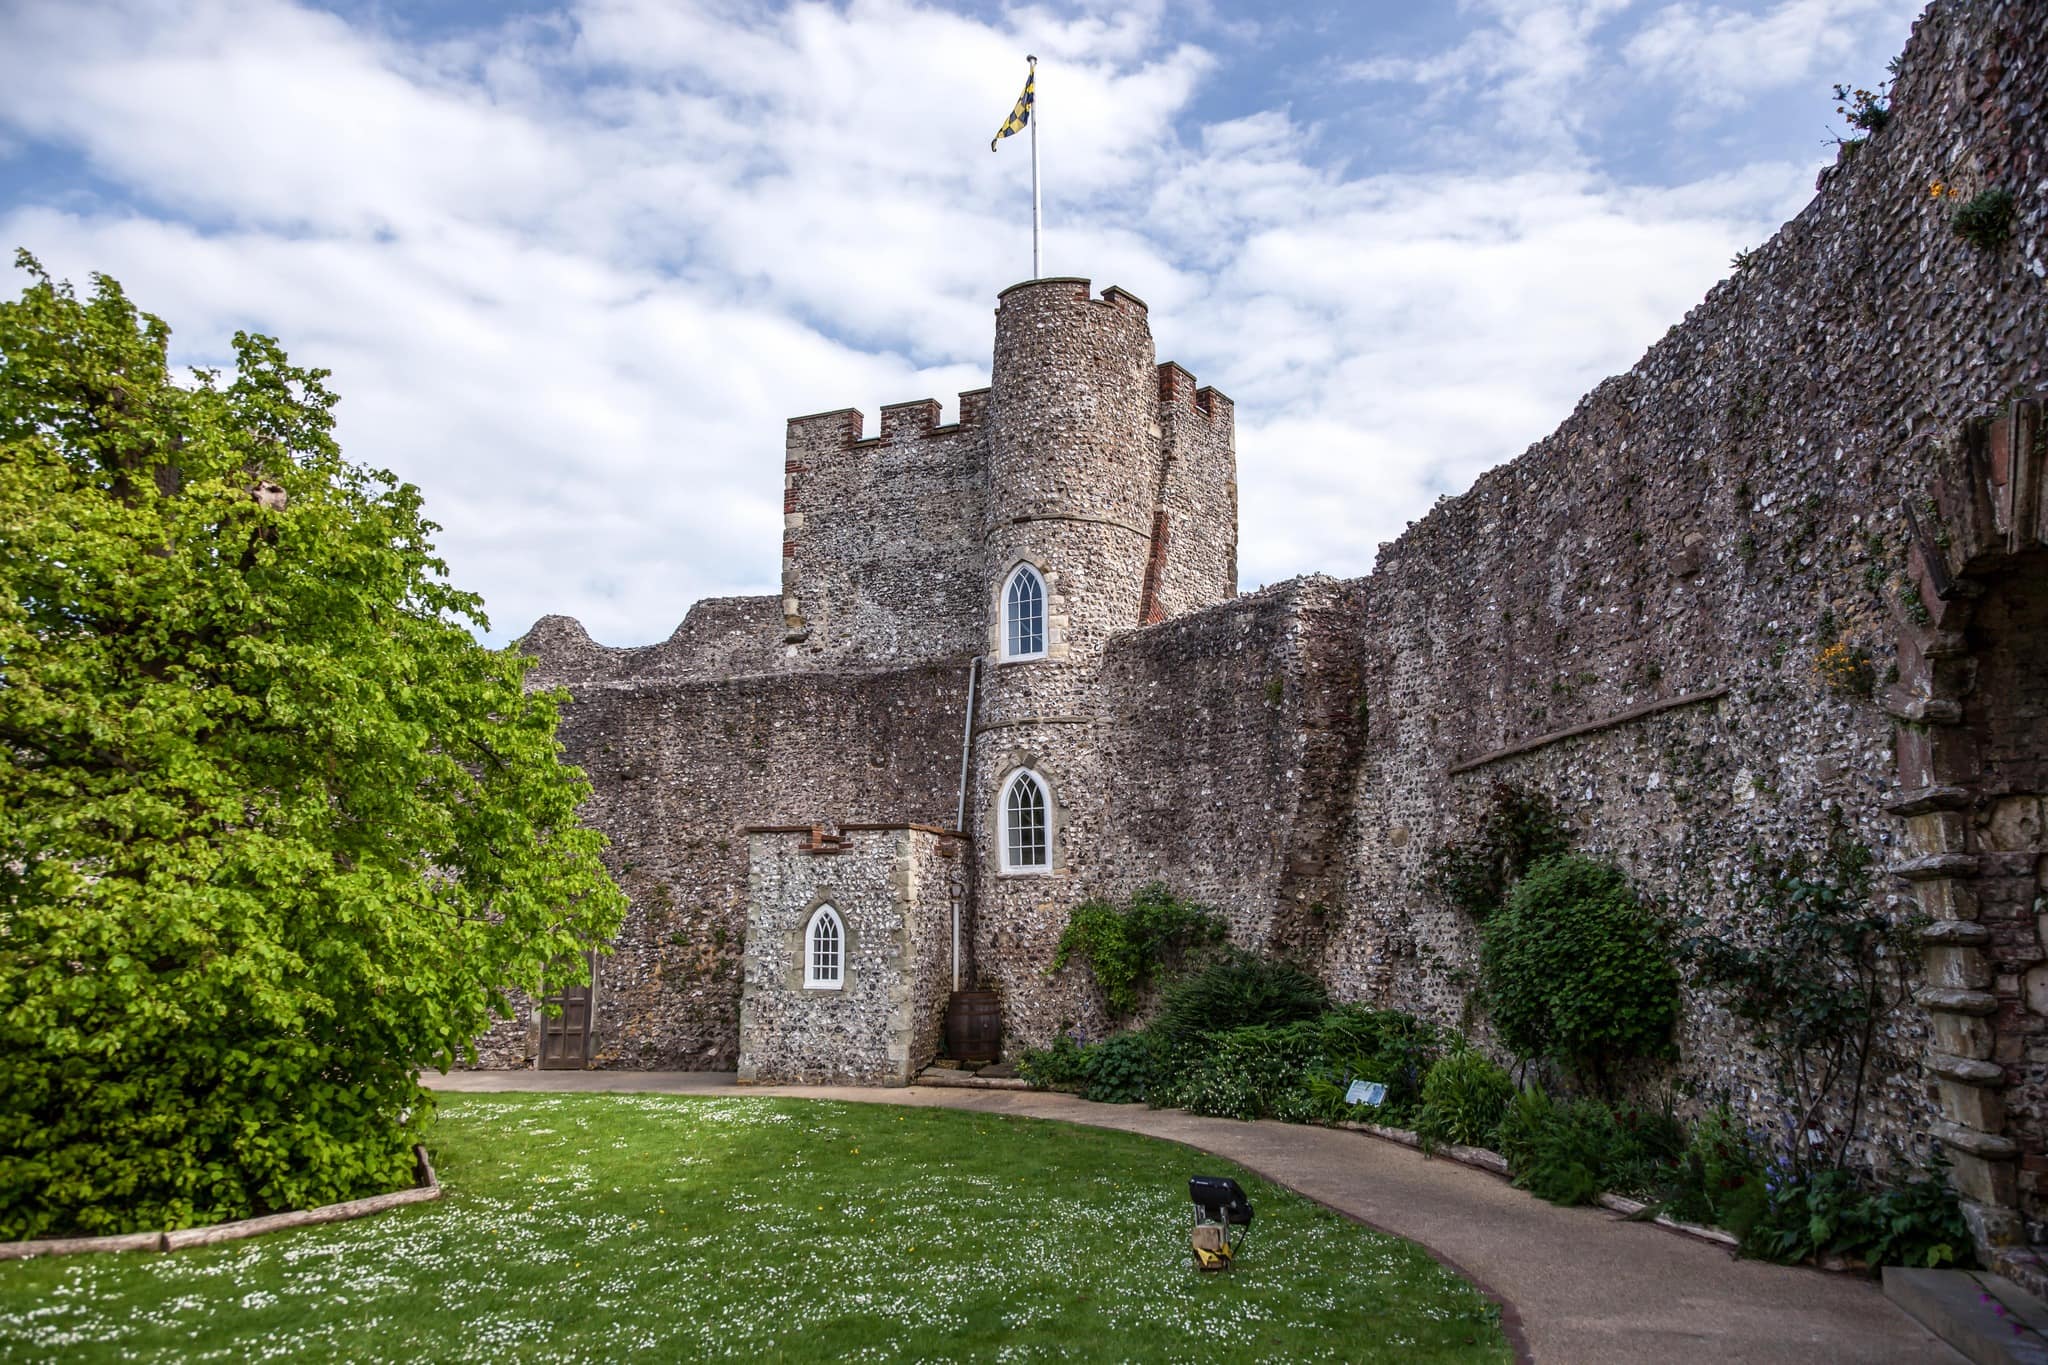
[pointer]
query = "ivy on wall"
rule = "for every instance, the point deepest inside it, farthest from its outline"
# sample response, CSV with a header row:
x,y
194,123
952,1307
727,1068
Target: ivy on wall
x,y
1126,946
1516,830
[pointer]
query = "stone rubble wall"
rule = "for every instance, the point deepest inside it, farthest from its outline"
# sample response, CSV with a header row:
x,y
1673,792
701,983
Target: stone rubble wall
x,y
720,637
894,890
1194,552
1714,520
882,538
680,767
1236,737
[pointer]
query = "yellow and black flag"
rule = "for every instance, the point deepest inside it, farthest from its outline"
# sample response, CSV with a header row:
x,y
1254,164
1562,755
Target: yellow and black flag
x,y
1021,115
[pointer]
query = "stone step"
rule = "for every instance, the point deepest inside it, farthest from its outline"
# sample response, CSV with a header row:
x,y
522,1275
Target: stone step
x,y
1986,1317
960,1079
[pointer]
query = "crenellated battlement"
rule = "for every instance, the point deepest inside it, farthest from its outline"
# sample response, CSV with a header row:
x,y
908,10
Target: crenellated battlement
x,y
1177,387
1077,288
843,428
909,421
1115,474
823,430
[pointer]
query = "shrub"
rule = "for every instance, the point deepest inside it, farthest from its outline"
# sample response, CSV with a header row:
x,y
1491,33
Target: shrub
x,y
1058,1067
1573,1151
1237,990
1550,1152
1812,1215
1463,1100
1576,969
1719,1177
1985,219
1118,1070
1867,111
1251,1073
1125,947
1387,1046
1846,670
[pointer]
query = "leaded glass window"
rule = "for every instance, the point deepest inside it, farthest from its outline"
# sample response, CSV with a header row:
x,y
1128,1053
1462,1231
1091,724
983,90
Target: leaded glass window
x,y
1024,615
1026,845
825,950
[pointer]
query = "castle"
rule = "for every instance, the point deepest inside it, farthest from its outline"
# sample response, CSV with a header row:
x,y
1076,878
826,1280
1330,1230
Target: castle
x,y
1009,671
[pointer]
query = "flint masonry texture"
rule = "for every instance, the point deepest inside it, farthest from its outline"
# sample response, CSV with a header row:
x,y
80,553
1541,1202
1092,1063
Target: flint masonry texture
x,y
1836,449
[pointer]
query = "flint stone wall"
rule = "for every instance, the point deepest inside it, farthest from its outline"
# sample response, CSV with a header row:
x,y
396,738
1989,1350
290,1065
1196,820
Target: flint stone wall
x,y
1713,521
895,891
679,768
1237,737
881,542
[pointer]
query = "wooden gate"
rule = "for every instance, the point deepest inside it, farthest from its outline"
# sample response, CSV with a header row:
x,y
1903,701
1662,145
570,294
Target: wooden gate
x,y
565,1026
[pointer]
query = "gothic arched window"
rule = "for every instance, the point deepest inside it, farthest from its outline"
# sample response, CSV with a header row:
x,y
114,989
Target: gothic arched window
x,y
1027,823
825,950
1024,615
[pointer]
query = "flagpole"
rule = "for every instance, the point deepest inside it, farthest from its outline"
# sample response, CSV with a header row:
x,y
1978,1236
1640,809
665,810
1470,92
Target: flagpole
x,y
1035,272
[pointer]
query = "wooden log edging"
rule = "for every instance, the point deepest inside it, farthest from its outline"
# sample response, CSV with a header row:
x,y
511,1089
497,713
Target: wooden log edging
x,y
426,1190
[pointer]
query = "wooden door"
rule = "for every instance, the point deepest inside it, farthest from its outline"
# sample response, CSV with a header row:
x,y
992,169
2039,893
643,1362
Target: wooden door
x,y
565,1029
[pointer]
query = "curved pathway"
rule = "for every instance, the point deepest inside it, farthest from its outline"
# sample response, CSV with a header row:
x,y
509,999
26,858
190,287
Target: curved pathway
x,y
1578,1286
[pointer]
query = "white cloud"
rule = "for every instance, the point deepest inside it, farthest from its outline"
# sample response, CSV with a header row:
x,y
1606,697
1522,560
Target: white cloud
x,y
1529,65
572,273
1718,55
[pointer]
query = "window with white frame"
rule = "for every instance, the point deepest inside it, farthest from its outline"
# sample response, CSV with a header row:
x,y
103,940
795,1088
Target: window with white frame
x,y
825,950
1024,615
1027,824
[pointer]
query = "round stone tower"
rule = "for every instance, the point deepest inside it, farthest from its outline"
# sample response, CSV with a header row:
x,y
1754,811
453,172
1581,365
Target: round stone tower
x,y
1075,467
1074,447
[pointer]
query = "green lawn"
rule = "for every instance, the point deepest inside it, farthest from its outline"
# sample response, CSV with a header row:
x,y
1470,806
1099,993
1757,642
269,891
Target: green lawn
x,y
596,1227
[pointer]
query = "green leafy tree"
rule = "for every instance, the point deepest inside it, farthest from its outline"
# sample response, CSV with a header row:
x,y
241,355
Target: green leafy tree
x,y
1577,969
275,831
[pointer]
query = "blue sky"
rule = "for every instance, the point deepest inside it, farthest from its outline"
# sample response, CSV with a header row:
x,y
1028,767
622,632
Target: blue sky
x,y
572,264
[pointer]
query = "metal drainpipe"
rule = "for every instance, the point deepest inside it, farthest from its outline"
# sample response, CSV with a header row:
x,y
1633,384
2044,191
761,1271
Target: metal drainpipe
x,y
960,818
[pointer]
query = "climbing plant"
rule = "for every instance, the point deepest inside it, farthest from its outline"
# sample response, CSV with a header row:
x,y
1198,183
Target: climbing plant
x,y
1126,945
1820,968
1515,830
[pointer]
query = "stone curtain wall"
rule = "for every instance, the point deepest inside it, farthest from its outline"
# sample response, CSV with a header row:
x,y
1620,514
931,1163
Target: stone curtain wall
x,y
1712,522
1194,544
1235,744
895,890
679,768
721,637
